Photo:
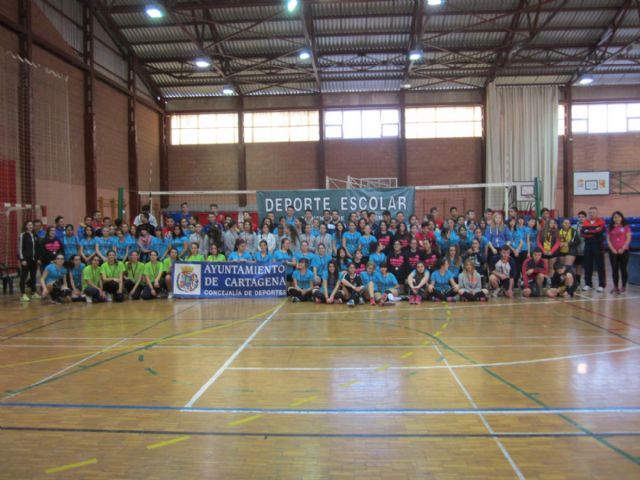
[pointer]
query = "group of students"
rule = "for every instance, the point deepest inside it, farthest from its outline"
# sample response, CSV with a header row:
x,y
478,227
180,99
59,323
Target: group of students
x,y
328,259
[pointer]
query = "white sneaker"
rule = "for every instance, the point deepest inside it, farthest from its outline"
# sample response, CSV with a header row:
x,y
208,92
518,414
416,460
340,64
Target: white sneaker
x,y
25,298
600,290
586,288
170,296
88,299
109,297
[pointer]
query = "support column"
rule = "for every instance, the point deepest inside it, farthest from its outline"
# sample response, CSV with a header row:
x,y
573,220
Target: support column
x,y
567,155
164,159
402,143
242,154
483,151
91,189
321,160
134,198
25,101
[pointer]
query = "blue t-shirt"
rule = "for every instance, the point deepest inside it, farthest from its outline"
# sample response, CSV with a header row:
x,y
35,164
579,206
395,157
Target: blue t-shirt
x,y
282,256
55,273
331,282
178,243
121,247
497,237
365,242
442,280
309,256
105,245
71,246
530,234
236,257
516,236
89,246
76,273
320,263
304,280
352,241
268,258
383,283
366,278
378,259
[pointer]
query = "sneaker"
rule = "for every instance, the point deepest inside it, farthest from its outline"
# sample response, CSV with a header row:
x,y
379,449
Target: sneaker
x,y
109,297
295,299
318,301
417,300
586,288
351,303
361,301
600,289
170,296
25,298
384,298
410,299
451,299
483,299
614,290
88,300
372,302
35,296
622,290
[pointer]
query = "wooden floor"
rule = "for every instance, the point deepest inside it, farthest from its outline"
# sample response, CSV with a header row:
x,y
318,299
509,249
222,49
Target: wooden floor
x,y
270,390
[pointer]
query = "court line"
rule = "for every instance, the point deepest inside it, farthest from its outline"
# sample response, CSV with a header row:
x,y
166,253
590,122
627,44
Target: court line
x,y
435,367
71,466
514,435
337,411
166,443
604,316
32,319
500,445
610,332
233,356
59,372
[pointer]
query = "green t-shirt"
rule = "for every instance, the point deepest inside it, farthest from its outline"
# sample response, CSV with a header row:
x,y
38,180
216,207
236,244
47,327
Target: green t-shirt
x,y
90,274
112,271
152,270
218,258
195,258
135,272
167,263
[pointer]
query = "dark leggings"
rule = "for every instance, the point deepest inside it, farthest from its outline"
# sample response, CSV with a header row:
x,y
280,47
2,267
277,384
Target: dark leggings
x,y
134,292
619,267
593,253
474,297
353,295
111,286
294,292
443,295
421,292
94,294
146,291
318,294
30,270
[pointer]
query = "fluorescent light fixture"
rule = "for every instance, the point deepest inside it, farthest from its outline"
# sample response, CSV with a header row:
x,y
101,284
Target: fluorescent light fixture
x,y
587,80
292,5
406,85
228,90
154,11
202,63
435,2
415,55
304,55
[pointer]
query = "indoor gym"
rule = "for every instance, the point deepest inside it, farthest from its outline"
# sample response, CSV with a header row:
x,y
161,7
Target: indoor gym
x,y
98,106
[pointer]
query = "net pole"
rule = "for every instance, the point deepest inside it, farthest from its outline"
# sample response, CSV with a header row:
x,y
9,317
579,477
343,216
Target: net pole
x,y
506,201
536,193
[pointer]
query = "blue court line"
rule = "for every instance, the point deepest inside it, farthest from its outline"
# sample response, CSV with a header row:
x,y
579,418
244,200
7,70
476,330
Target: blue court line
x,y
323,435
357,411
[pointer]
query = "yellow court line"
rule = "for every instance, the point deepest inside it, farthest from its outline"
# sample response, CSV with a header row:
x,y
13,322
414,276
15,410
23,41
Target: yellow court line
x,y
302,401
165,443
349,384
437,334
141,345
384,367
70,466
245,420
406,355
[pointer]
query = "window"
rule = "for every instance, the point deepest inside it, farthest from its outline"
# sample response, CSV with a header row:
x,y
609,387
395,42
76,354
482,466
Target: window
x,y
204,129
294,126
443,122
605,118
379,123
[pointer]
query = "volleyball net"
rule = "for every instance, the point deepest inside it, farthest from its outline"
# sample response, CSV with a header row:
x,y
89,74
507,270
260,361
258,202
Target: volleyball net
x,y
464,197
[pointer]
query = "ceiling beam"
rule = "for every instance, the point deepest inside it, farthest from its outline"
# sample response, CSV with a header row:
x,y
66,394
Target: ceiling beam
x,y
309,35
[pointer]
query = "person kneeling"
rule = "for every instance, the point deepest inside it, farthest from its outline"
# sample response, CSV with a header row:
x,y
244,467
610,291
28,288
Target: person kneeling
x,y
563,283
92,282
385,285
352,288
54,281
534,274
503,273
112,277
470,284
153,271
302,278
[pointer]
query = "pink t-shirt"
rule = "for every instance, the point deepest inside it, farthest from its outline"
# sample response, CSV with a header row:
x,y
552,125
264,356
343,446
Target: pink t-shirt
x,y
618,236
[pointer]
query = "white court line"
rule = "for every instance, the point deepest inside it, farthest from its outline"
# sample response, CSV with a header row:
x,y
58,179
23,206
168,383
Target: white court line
x,y
233,356
500,445
522,302
89,357
435,367
419,412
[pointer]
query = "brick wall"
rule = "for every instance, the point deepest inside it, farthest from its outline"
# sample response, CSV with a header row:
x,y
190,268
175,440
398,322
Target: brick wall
x,y
281,165
148,129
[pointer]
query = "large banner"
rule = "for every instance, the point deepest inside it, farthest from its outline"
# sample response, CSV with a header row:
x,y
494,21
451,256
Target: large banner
x,y
228,280
377,200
